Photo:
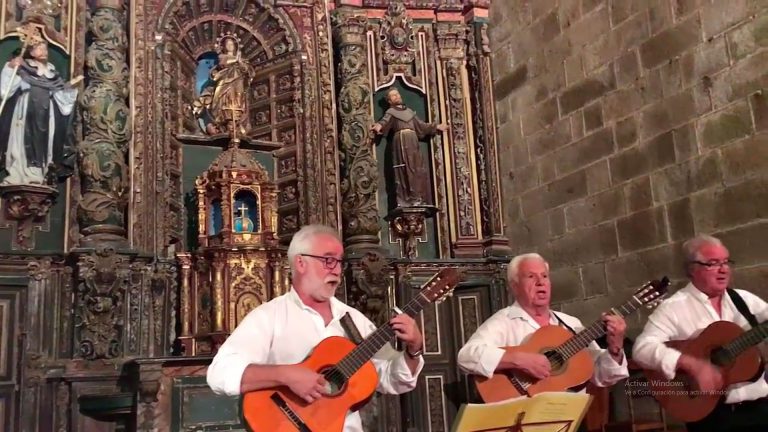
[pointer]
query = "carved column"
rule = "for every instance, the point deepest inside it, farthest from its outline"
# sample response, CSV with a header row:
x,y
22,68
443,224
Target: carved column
x,y
358,167
218,294
486,151
464,203
106,124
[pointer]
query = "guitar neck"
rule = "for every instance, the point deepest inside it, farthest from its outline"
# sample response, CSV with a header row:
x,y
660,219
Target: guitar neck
x,y
585,337
747,340
382,336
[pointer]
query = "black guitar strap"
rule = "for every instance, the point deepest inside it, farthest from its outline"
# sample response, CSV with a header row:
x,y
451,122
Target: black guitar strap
x,y
742,307
563,323
351,329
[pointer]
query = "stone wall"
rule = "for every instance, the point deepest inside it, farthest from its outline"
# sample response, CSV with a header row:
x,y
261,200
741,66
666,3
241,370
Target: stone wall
x,y
626,127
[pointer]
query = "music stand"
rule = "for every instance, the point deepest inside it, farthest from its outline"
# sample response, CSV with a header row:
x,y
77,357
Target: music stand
x,y
518,426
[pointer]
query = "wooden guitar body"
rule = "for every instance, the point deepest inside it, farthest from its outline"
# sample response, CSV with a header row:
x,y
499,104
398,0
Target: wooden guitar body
x,y
572,373
679,396
262,413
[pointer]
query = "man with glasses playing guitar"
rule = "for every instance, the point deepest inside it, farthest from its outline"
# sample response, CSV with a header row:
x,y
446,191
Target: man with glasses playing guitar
x,y
699,347
265,349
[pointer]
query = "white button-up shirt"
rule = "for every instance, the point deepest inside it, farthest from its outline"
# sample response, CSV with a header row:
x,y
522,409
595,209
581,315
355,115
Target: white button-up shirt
x,y
284,331
683,316
512,326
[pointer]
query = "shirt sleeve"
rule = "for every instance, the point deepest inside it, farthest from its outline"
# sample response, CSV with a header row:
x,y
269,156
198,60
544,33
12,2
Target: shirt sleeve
x,y
483,351
649,350
248,344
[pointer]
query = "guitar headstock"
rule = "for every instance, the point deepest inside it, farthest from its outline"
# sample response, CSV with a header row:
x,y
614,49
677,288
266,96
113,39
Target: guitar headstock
x,y
652,293
441,285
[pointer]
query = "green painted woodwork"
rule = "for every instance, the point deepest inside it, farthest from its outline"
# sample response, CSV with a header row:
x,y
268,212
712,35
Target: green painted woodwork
x,y
194,407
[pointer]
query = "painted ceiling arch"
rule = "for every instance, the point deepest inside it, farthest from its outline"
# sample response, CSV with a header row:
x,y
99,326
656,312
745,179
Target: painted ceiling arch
x,y
265,32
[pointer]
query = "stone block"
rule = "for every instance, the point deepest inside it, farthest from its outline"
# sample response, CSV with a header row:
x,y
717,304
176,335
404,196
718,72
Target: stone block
x,y
639,194
643,159
705,60
566,284
541,7
589,310
671,78
621,10
598,177
651,86
577,125
686,178
744,78
549,84
745,158
591,244
550,139
546,28
625,132
524,178
683,8
621,103
746,243
590,28
547,170
532,203
588,5
686,143
511,140
594,280
671,42
512,209
503,110
570,13
731,123
659,15
591,88
634,270
759,103
642,230
752,279
631,33
719,16
585,151
627,69
574,69
748,38
511,81
557,222
738,204
605,206
527,234
564,190
680,219
667,114
593,116
540,117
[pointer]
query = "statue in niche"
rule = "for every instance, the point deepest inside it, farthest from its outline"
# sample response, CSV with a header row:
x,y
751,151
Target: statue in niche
x,y
405,128
227,95
36,118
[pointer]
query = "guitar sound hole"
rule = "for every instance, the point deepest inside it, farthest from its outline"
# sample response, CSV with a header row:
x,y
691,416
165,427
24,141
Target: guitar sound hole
x,y
336,380
555,359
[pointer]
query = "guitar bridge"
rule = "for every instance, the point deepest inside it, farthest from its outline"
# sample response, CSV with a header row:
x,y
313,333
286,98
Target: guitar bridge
x,y
292,416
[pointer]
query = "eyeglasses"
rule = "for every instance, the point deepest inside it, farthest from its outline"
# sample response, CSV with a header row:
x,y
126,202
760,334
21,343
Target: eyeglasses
x,y
329,262
714,265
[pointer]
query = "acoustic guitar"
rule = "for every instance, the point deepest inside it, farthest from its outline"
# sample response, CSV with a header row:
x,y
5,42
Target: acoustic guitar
x,y
351,376
571,365
728,347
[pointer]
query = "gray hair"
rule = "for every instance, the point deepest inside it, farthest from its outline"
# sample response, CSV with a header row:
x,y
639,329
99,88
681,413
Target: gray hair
x,y
514,265
301,242
692,247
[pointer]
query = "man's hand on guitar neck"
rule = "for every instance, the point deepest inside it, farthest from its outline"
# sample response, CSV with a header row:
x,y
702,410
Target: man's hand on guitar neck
x,y
708,377
535,365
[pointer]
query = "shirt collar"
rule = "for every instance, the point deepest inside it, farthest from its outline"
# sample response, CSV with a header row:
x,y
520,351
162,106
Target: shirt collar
x,y
336,309
696,293
517,311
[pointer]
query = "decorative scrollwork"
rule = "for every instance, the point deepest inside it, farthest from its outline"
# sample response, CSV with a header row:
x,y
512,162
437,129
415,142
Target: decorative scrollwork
x,y
396,36
103,278
358,167
26,207
107,125
369,291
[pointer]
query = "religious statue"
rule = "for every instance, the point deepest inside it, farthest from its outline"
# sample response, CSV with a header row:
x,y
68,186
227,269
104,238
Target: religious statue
x,y
412,185
36,116
227,96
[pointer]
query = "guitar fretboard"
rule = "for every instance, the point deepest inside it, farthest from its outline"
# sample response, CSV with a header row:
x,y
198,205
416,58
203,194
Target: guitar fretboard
x,y
582,339
373,343
742,343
